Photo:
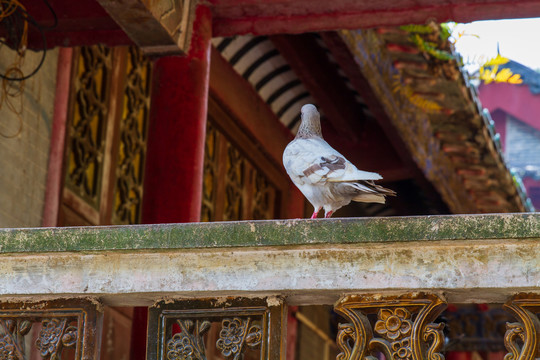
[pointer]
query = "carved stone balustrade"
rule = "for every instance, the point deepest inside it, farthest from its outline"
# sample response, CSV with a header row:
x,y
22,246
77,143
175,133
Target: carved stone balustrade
x,y
389,278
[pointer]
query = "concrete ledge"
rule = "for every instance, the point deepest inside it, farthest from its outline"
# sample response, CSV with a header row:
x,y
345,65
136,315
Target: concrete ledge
x,y
463,271
272,233
463,258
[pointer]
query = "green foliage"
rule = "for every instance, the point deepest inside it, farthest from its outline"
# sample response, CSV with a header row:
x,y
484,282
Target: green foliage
x,y
489,70
446,30
431,48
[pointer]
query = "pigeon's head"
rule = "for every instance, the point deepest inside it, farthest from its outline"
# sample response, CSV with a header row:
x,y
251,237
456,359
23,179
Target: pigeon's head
x,y
309,109
311,122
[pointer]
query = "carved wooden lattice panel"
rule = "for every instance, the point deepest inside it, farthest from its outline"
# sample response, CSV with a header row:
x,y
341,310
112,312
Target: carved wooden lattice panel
x,y
227,328
236,185
208,212
132,142
87,123
106,146
522,338
402,327
66,329
264,196
235,181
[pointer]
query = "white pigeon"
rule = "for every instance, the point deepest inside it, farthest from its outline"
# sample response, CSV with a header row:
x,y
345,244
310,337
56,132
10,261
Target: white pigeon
x,y
322,174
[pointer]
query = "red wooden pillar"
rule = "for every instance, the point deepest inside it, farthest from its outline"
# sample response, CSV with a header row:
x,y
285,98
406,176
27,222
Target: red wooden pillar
x,y
175,148
176,133
53,190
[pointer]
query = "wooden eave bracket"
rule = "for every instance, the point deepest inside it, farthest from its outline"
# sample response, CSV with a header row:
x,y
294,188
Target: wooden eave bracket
x,y
158,27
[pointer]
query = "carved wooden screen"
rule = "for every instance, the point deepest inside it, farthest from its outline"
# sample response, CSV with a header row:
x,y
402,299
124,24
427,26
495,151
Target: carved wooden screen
x,y
106,136
88,125
53,329
231,329
132,140
240,182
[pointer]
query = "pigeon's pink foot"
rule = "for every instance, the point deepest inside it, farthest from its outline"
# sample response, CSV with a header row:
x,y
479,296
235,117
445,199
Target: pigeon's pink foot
x,y
328,214
315,213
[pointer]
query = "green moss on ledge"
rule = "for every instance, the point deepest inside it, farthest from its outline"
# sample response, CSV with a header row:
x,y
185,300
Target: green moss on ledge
x,y
272,233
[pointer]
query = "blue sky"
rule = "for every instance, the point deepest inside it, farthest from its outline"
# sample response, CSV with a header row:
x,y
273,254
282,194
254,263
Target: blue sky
x,y
517,38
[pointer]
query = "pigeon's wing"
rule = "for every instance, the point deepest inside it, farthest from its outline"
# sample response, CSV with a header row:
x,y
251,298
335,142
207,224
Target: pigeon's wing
x,y
314,161
296,159
348,172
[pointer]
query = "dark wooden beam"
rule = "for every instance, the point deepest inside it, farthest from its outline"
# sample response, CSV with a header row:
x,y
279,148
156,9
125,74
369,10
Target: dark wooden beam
x,y
154,23
78,23
158,27
233,17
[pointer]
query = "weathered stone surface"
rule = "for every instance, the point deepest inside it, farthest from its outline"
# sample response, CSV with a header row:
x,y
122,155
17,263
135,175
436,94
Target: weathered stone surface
x,y
272,233
480,258
464,271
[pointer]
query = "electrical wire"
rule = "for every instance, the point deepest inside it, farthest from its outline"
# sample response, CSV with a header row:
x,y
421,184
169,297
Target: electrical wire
x,y
53,13
15,18
23,36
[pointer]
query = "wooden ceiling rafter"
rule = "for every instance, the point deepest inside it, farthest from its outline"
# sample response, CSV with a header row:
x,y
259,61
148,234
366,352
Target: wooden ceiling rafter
x,y
321,78
347,63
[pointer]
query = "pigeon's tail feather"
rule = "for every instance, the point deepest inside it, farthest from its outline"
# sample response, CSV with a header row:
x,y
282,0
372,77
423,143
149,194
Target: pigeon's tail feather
x,y
382,190
371,192
371,188
362,188
356,175
370,198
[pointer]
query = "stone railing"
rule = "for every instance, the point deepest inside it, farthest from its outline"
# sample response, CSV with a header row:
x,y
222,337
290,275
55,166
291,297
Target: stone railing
x,y
389,278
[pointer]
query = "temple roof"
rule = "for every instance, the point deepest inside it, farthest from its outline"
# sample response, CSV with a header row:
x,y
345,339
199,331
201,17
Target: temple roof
x,y
530,77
